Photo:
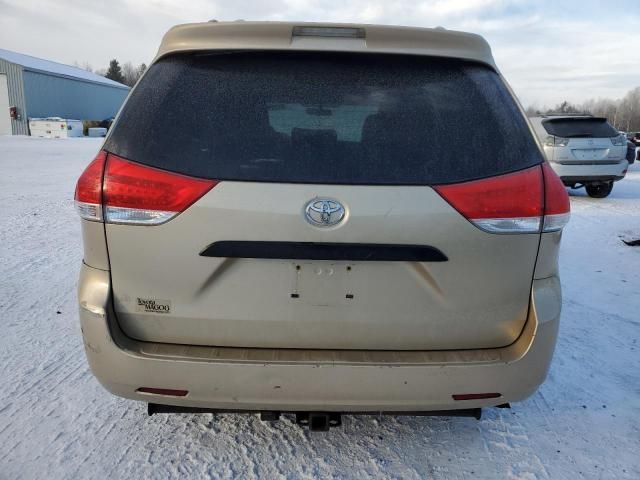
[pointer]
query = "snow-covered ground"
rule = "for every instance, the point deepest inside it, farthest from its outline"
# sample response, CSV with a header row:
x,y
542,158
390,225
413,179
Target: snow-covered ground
x,y
57,422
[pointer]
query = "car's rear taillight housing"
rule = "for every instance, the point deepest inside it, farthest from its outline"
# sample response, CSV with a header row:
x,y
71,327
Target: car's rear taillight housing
x,y
518,202
557,209
88,197
553,141
120,191
134,193
619,141
510,203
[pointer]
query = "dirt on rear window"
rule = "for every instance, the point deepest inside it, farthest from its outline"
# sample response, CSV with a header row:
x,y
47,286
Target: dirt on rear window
x,y
324,118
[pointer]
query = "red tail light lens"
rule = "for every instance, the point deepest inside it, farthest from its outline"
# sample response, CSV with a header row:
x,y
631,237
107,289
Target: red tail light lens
x,y
131,193
88,197
138,194
520,202
556,201
511,203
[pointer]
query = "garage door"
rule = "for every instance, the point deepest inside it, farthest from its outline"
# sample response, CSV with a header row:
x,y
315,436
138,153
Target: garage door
x,y
5,121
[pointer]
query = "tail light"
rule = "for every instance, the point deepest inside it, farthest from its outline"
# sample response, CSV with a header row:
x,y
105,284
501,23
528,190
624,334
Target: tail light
x,y
330,32
619,141
134,193
517,202
510,203
553,141
88,197
119,191
556,201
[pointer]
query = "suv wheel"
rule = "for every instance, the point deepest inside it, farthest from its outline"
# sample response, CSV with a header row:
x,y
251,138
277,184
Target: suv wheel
x,y
599,190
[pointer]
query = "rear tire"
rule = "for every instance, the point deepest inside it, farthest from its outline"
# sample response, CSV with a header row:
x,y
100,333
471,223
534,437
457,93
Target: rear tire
x,y
600,190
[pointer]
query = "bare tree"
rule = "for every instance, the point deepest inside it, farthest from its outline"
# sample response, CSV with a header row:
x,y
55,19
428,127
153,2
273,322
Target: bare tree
x,y
565,107
83,65
630,110
623,114
131,74
532,110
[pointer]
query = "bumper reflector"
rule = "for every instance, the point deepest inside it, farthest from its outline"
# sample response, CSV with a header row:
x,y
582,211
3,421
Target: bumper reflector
x,y
163,391
475,396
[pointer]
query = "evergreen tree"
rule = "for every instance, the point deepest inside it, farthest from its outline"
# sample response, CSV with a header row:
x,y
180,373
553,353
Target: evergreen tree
x,y
114,71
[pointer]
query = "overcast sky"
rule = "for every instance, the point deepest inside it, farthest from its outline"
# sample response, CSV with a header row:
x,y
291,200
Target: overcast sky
x,y
549,50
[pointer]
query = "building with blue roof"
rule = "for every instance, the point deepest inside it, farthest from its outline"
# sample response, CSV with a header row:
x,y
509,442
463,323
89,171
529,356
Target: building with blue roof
x,y
32,87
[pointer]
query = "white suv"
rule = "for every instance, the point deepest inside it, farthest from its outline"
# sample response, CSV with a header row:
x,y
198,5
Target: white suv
x,y
584,151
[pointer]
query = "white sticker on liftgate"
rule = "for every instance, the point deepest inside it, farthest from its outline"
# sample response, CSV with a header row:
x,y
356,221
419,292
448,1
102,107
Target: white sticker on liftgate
x,y
153,305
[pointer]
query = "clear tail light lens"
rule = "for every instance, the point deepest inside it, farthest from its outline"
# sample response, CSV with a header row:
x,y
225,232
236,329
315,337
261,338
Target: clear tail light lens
x,y
131,193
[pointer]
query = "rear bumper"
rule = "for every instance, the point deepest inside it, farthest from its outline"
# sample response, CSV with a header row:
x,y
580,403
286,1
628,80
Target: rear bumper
x,y
581,173
306,380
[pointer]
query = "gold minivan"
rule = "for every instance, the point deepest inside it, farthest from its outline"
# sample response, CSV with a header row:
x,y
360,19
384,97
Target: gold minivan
x,y
284,218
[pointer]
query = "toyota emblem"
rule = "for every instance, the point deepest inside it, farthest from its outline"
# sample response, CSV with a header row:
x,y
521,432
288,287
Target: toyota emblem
x,y
324,212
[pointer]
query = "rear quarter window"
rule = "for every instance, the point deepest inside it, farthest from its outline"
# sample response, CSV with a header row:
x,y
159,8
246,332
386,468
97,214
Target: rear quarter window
x,y
324,118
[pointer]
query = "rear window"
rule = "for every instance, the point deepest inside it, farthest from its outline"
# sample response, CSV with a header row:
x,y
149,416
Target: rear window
x,y
579,127
323,118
